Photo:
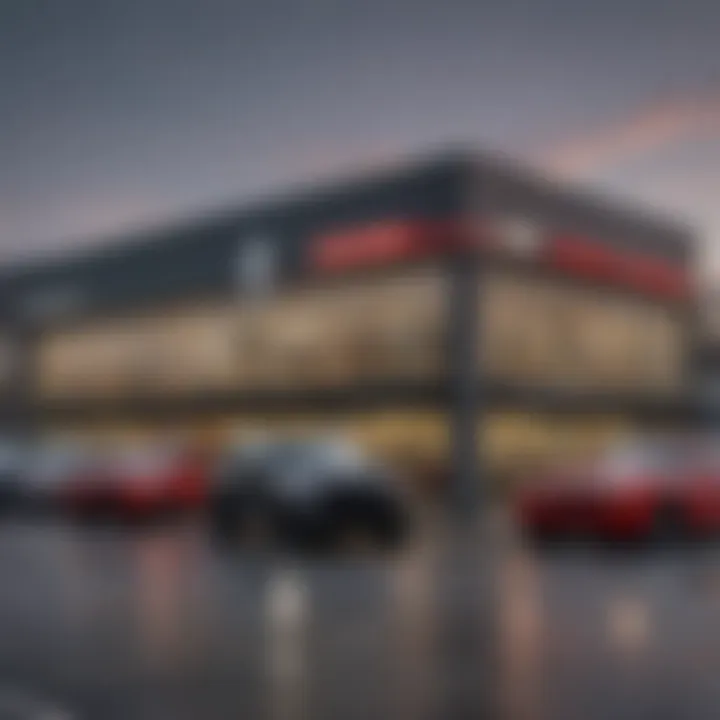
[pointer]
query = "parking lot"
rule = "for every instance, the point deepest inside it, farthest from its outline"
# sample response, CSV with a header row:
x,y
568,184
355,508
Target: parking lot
x,y
110,622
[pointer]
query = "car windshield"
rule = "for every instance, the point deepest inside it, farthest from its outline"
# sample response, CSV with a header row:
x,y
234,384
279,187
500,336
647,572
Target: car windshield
x,y
295,454
620,461
633,461
53,463
10,456
143,461
280,456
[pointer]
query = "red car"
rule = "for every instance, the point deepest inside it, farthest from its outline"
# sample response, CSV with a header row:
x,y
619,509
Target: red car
x,y
150,481
634,492
139,483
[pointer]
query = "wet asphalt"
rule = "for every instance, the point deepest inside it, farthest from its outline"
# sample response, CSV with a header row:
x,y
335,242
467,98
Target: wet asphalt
x,y
158,623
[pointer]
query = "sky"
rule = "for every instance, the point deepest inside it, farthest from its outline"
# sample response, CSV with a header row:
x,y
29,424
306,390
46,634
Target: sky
x,y
116,114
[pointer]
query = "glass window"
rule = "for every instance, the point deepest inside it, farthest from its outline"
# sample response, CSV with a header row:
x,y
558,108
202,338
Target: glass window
x,y
539,331
377,330
374,330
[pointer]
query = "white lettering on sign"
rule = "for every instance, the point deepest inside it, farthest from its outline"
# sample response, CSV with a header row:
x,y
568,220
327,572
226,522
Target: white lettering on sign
x,y
520,236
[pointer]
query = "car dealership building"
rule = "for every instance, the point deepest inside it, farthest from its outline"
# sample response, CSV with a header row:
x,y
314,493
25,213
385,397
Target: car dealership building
x,y
451,305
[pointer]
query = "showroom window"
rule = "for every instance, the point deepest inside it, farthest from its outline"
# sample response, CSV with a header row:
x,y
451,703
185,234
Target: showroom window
x,y
535,330
388,329
376,330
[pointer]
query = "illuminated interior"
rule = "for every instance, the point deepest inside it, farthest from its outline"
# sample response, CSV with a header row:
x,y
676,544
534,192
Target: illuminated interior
x,y
532,331
386,329
514,442
538,331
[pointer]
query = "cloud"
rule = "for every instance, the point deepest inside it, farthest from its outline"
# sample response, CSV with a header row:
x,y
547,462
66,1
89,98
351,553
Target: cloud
x,y
650,127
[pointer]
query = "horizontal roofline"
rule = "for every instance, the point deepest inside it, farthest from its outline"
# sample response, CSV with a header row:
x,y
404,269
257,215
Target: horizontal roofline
x,y
166,232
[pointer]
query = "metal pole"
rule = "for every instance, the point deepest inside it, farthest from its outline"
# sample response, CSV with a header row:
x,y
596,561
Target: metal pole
x,y
464,396
466,576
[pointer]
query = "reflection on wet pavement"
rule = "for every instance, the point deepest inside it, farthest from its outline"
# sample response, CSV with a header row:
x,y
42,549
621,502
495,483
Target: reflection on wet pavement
x,y
155,623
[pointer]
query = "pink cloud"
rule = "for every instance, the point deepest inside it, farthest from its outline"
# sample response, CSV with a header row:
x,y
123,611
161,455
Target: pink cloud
x,y
650,127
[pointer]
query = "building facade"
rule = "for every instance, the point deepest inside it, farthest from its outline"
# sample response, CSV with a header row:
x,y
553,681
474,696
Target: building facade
x,y
451,306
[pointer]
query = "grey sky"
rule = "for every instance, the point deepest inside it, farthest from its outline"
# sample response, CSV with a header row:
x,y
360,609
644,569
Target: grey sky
x,y
117,113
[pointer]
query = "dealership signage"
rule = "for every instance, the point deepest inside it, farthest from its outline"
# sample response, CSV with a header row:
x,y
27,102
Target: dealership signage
x,y
519,236
583,257
392,241
381,243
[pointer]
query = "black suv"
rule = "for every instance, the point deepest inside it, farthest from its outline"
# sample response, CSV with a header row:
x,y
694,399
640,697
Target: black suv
x,y
310,494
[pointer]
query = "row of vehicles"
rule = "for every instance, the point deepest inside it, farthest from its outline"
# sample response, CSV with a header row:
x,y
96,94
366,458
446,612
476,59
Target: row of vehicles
x,y
665,488
315,492
320,492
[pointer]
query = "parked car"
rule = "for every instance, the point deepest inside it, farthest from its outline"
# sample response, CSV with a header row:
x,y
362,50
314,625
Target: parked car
x,y
648,490
311,494
48,470
70,477
147,481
